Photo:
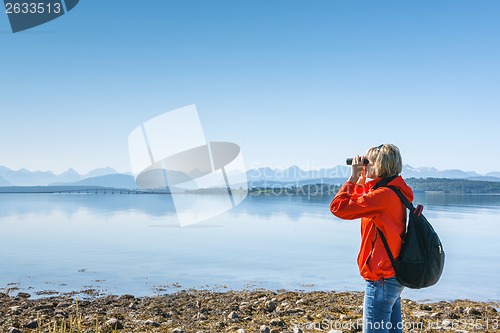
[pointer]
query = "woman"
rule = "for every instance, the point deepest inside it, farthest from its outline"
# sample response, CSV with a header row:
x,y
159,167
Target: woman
x,y
378,208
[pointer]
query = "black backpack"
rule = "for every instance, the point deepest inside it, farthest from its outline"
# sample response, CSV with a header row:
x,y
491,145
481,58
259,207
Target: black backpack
x,y
421,260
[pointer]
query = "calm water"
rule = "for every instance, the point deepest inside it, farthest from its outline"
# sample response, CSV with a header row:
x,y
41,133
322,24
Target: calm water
x,y
134,244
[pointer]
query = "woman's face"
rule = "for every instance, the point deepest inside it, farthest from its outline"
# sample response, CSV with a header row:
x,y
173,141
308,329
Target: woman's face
x,y
370,170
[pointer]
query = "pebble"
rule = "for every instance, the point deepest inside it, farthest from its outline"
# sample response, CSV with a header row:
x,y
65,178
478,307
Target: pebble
x,y
436,314
233,315
114,324
447,323
32,324
420,314
270,306
61,313
63,305
44,307
15,310
451,315
277,322
472,312
264,329
425,307
152,323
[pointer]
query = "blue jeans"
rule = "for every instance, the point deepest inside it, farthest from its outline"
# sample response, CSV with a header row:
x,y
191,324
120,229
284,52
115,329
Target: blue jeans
x,y
382,306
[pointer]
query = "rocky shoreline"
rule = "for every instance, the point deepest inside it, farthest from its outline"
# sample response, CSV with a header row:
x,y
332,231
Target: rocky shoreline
x,y
260,311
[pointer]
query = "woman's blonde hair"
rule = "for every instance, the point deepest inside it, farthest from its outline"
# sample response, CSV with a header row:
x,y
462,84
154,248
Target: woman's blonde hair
x,y
386,160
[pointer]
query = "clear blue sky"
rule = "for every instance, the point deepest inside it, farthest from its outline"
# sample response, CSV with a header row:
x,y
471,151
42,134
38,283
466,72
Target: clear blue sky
x,y
303,83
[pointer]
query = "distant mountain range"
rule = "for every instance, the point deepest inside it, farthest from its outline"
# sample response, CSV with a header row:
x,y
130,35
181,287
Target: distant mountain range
x,y
25,177
339,174
108,177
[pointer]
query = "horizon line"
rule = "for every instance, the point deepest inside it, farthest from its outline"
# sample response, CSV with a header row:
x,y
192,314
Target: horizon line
x,y
274,168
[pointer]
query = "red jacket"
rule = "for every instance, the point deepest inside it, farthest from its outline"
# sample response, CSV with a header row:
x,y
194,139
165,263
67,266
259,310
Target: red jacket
x,y
381,208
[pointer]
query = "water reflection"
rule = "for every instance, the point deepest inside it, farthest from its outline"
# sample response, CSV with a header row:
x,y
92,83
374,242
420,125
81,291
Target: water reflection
x,y
70,204
294,207
135,244
456,199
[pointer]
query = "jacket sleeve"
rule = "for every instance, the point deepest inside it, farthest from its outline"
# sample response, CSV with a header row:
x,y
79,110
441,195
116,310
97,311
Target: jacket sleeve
x,y
349,203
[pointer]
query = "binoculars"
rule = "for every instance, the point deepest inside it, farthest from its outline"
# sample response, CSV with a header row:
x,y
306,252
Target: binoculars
x,y
349,161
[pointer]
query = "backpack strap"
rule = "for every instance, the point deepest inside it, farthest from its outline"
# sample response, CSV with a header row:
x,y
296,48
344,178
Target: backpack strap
x,y
383,182
386,246
408,205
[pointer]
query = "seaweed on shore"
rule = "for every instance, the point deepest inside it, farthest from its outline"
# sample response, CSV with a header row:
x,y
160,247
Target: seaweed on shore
x,y
230,311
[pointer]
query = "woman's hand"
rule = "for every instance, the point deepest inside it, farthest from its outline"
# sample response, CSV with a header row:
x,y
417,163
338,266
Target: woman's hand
x,y
358,171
